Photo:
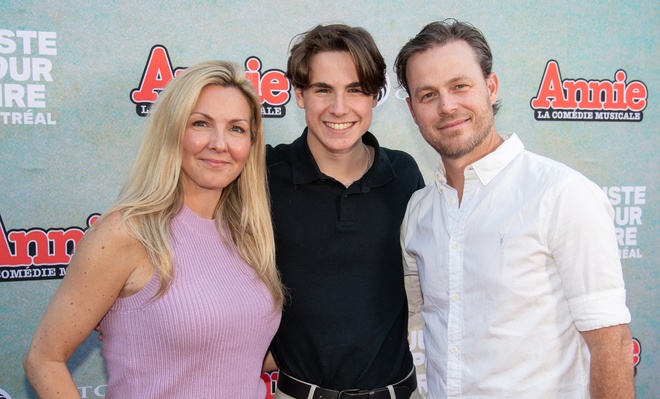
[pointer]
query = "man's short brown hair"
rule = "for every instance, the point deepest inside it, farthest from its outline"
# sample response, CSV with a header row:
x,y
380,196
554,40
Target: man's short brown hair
x,y
369,62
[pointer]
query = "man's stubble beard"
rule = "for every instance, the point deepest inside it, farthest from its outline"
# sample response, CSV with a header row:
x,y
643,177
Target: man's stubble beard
x,y
450,150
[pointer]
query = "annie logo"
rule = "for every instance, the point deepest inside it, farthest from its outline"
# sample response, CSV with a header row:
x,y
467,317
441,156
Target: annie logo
x,y
38,254
594,100
272,86
270,379
637,353
158,72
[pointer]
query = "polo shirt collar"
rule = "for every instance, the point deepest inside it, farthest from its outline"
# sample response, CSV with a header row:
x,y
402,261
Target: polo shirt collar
x,y
305,169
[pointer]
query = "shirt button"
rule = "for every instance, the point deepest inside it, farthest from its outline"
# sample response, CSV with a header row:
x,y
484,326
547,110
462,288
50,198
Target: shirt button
x,y
454,298
453,350
455,246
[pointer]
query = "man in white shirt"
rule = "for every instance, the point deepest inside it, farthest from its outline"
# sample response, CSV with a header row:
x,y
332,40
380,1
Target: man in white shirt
x,y
523,294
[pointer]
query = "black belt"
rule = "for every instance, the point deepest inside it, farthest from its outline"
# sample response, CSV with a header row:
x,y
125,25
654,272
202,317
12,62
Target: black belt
x,y
300,390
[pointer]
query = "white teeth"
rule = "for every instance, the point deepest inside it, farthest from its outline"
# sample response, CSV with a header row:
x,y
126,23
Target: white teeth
x,y
338,126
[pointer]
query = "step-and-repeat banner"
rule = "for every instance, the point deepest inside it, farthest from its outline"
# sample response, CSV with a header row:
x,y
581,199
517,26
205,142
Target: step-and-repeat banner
x,y
77,77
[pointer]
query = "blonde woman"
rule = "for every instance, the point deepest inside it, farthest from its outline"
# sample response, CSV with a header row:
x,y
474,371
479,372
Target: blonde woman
x,y
180,272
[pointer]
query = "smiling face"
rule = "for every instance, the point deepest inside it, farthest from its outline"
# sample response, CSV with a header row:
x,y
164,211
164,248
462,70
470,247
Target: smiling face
x,y
216,143
451,101
337,112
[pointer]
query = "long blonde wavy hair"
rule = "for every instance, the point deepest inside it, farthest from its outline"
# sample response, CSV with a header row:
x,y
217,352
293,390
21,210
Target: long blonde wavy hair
x,y
153,192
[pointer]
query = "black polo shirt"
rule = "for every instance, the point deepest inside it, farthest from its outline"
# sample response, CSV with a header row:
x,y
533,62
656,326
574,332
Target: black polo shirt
x,y
346,323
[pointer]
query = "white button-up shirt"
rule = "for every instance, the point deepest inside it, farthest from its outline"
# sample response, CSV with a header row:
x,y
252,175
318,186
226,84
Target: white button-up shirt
x,y
511,276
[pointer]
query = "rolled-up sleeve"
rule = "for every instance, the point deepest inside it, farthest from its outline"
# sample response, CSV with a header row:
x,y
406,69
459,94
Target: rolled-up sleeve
x,y
582,238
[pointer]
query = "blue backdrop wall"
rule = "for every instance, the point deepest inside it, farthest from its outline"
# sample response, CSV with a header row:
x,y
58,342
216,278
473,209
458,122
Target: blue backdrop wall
x,y
75,81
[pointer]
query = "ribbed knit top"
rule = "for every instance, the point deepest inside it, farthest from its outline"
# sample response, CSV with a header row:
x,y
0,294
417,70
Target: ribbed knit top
x,y
205,338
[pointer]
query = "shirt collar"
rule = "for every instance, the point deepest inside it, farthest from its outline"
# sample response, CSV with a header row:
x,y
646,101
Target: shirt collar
x,y
489,166
306,170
